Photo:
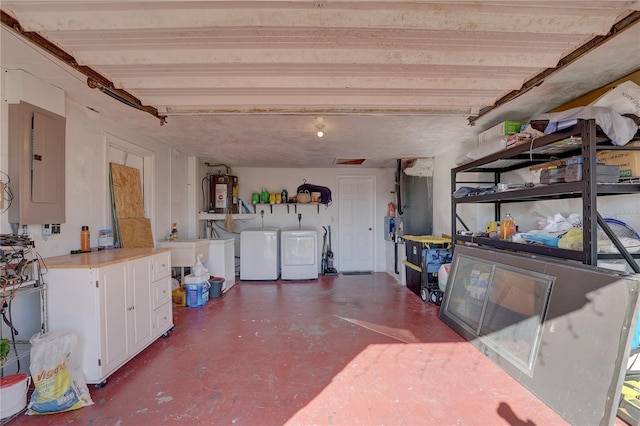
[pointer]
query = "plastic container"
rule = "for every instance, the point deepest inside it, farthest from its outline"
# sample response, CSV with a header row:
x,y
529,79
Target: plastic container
x,y
215,287
391,210
179,296
13,394
174,232
85,239
105,238
264,196
197,294
507,226
197,289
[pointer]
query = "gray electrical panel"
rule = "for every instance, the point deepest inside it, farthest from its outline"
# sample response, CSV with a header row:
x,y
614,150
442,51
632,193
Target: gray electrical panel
x,y
36,165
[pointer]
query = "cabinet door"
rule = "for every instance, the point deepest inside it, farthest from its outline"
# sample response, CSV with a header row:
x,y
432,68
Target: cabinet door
x,y
139,303
112,299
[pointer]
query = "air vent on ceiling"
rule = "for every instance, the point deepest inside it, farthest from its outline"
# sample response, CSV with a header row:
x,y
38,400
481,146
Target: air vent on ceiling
x,y
349,161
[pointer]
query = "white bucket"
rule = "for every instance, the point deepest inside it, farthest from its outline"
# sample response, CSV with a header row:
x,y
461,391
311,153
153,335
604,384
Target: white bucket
x,y
13,394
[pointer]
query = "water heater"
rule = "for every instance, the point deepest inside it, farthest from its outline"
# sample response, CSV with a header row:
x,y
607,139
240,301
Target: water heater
x,y
223,194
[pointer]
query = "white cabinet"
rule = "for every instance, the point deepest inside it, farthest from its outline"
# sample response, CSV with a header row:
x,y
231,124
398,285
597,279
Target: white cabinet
x,y
116,301
222,261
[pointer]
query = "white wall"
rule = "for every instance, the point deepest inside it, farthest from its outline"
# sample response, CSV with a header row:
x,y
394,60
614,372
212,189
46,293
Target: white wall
x,y
87,183
442,187
274,180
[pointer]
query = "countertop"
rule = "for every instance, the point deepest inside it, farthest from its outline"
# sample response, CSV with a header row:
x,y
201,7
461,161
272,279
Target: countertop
x,y
96,259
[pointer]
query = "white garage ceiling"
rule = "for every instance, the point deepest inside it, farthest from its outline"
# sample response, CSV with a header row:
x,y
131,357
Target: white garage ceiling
x,y
246,83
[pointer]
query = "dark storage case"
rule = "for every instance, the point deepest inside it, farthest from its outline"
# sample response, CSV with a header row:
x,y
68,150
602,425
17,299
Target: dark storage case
x,y
425,254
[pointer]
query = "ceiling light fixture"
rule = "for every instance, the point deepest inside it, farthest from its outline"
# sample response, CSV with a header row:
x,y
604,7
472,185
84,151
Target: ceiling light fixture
x,y
320,132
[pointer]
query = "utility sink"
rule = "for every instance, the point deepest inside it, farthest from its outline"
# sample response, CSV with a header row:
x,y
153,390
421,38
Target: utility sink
x,y
185,252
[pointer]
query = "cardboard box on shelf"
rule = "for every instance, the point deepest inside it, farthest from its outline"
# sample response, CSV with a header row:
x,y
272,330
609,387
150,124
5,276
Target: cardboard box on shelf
x,y
506,128
627,161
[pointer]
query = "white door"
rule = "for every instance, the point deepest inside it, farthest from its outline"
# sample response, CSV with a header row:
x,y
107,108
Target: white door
x,y
356,201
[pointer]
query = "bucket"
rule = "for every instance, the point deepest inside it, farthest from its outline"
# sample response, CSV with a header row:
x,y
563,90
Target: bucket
x,y
197,294
215,289
197,288
13,394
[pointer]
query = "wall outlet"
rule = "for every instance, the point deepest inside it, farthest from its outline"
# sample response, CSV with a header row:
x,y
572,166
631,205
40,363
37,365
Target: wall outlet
x,y
55,228
46,229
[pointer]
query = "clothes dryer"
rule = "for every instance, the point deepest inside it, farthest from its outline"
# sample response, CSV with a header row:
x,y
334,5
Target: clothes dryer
x,y
299,253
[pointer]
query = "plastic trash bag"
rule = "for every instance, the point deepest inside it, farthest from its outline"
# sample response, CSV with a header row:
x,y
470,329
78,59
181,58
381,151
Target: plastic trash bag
x,y
199,269
555,223
572,240
57,374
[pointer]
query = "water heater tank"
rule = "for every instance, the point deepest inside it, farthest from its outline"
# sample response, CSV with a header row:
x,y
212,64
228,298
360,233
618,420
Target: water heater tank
x,y
224,194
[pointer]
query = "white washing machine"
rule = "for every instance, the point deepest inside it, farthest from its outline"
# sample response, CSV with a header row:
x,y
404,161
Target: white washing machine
x,y
260,254
299,257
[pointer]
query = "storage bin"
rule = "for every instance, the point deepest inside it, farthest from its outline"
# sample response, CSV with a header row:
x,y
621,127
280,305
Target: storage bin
x,y
416,243
13,394
432,259
414,277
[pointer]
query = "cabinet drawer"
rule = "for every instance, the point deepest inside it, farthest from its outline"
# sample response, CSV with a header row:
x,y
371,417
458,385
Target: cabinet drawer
x,y
163,319
160,292
160,265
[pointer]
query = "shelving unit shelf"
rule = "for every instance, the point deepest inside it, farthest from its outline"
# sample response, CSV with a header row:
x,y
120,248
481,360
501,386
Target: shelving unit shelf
x,y
579,140
222,216
260,206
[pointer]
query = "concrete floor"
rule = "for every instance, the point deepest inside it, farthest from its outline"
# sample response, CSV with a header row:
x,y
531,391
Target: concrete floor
x,y
344,350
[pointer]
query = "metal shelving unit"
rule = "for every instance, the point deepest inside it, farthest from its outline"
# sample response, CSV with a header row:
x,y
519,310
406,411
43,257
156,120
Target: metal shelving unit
x,y
20,279
582,140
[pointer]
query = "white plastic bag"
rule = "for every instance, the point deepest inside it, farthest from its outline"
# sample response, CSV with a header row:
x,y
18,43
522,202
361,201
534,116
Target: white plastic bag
x,y
199,269
57,374
623,99
555,223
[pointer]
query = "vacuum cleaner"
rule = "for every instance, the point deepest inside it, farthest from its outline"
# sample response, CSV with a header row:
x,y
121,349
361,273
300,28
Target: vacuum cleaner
x,y
327,254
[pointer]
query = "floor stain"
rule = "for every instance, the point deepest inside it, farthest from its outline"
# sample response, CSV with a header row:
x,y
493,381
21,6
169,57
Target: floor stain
x,y
165,399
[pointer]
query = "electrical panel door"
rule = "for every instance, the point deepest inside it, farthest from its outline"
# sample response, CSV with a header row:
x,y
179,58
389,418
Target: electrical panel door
x,y
36,165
